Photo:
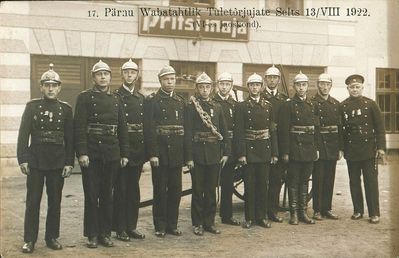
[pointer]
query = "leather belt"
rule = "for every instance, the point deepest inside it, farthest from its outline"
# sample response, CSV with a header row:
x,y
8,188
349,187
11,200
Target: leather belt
x,y
309,129
205,137
329,129
253,135
170,130
55,137
135,128
358,129
102,129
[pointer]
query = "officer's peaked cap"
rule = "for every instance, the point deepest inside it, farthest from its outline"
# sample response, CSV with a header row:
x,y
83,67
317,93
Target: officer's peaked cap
x,y
354,78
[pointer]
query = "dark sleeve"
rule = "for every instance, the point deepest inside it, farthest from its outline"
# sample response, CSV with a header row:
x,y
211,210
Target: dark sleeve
x,y
379,126
23,136
273,132
226,142
284,128
317,135
68,138
239,141
122,130
150,134
340,129
188,134
80,126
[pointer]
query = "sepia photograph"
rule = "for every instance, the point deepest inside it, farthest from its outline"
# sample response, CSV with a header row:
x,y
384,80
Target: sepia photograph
x,y
199,128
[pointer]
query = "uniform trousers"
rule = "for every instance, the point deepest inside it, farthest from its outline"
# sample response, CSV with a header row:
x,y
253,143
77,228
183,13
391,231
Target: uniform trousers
x,y
227,187
323,178
126,198
369,170
34,184
167,187
298,176
97,186
256,177
204,180
276,179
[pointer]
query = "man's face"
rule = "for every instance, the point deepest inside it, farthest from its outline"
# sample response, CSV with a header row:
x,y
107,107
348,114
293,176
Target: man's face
x,y
168,82
355,89
204,90
102,78
129,76
50,90
324,88
254,88
272,81
225,87
301,88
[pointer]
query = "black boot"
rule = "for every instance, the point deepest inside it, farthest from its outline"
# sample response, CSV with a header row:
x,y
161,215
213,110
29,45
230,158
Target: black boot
x,y
293,202
303,216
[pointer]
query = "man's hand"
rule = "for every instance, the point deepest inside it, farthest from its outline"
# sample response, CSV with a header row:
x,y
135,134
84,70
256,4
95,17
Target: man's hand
x,y
285,158
274,160
340,154
190,164
154,161
124,162
24,168
242,160
223,160
66,171
380,154
83,161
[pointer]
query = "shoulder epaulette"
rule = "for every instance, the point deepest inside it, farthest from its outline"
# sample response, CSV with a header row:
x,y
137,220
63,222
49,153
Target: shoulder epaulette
x,y
34,100
152,95
65,103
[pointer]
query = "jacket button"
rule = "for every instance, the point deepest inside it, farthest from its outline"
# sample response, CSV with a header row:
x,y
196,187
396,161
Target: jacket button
x,y
252,147
99,141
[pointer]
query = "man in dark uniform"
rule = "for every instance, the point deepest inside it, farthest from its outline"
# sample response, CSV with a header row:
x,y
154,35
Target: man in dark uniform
x,y
127,188
331,149
364,143
207,131
298,133
278,170
102,146
49,124
256,140
167,151
223,97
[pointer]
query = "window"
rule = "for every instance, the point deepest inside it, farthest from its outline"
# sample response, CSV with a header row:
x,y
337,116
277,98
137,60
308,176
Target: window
x,y
388,97
187,72
75,73
284,4
196,3
288,75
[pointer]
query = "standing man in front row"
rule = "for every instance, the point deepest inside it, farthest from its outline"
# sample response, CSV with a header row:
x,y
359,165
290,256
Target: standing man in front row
x,y
255,135
298,133
228,104
364,143
278,170
102,146
208,134
127,188
167,150
331,149
49,123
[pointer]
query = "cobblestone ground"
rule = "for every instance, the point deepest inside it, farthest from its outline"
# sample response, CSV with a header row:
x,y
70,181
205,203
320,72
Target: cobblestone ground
x,y
328,238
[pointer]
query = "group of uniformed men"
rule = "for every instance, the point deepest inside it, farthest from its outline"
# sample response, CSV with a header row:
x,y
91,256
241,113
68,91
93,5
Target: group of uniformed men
x,y
273,138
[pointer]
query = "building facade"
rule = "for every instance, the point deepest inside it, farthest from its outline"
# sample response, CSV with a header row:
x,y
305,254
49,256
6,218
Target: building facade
x,y
75,35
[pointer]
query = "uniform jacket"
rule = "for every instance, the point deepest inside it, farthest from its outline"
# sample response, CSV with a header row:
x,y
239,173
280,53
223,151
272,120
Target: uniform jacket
x,y
94,106
208,153
252,115
163,109
228,107
329,115
40,116
296,112
363,127
134,107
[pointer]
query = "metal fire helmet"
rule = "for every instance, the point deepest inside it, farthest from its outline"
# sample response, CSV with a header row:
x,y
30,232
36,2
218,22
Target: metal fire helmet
x,y
225,76
167,69
324,77
130,65
100,66
254,78
50,76
300,77
203,78
272,71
